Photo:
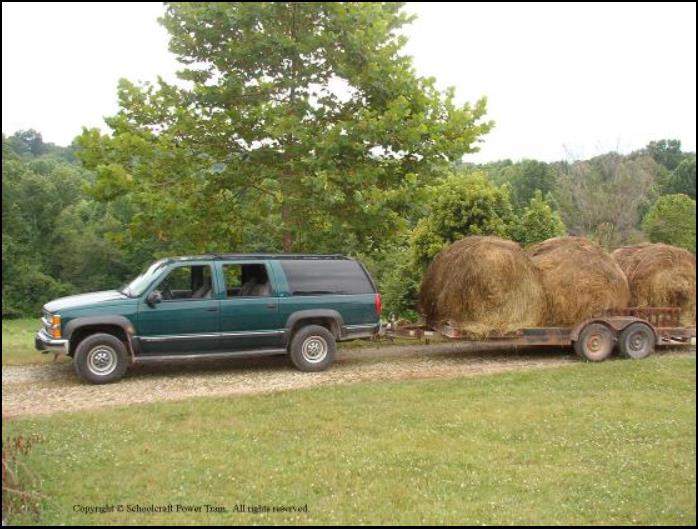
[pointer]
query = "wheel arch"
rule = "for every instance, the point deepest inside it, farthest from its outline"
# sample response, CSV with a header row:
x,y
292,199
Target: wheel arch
x,y
78,329
328,318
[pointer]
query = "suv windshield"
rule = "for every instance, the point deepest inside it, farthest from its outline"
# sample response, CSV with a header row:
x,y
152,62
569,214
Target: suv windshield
x,y
136,287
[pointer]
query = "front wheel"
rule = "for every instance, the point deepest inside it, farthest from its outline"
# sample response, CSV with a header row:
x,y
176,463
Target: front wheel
x,y
101,358
636,341
595,342
313,348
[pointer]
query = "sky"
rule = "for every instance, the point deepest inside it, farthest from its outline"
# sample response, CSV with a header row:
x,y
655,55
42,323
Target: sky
x,y
563,81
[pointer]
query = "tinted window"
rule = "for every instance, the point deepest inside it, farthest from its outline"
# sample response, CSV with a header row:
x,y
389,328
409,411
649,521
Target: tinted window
x,y
326,276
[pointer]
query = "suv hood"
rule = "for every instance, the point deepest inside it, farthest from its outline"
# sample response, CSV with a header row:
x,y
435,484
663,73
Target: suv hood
x,y
71,302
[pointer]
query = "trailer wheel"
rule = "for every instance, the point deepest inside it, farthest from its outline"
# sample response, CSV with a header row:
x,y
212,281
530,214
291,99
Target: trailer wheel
x,y
595,342
637,341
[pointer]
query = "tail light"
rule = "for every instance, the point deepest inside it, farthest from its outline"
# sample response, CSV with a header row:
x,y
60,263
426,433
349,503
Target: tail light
x,y
379,304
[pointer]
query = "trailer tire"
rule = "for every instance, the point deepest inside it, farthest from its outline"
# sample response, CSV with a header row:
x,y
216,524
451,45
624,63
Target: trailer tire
x,y
595,342
637,341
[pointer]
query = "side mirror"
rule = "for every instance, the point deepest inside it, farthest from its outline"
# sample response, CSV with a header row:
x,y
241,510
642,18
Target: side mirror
x,y
154,298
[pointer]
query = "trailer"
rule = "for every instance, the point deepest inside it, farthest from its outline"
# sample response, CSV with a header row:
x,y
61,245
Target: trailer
x,y
635,332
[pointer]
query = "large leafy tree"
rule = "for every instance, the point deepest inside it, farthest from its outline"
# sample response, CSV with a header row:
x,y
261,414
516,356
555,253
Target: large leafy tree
x,y
53,240
538,222
666,153
528,178
460,206
682,180
606,196
295,125
672,220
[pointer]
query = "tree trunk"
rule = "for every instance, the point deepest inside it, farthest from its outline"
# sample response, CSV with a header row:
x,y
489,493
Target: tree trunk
x,y
287,236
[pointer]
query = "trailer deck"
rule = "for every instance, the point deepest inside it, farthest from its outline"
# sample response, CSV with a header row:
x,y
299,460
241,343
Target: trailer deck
x,y
636,331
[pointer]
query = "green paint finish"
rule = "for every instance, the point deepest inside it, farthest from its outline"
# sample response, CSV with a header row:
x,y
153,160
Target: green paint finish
x,y
213,310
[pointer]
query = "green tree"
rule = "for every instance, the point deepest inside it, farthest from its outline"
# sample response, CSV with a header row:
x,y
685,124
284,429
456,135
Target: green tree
x,y
54,239
527,178
27,142
462,205
303,120
538,222
682,180
666,153
672,220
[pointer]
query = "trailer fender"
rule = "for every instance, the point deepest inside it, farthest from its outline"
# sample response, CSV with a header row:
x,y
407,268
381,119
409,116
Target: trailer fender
x,y
616,323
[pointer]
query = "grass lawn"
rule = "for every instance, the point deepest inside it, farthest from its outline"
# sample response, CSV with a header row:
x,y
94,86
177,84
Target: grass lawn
x,y
583,444
18,342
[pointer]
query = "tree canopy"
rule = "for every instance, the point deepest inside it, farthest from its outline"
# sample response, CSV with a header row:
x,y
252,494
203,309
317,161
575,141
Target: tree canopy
x,y
672,220
303,118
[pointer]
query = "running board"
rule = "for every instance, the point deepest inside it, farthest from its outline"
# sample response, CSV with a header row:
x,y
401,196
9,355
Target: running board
x,y
144,359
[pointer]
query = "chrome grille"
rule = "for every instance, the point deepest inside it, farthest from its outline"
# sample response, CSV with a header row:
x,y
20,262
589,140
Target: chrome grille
x,y
46,321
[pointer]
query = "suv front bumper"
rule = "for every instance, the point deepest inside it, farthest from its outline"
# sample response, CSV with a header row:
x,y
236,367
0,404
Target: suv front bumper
x,y
43,342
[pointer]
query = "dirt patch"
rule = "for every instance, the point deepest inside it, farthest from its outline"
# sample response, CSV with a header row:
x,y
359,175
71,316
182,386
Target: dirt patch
x,y
54,388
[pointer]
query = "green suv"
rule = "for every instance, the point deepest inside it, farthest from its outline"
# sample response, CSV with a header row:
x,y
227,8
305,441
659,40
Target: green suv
x,y
216,306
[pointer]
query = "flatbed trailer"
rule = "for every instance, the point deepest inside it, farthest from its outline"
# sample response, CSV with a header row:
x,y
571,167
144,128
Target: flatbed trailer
x,y
635,332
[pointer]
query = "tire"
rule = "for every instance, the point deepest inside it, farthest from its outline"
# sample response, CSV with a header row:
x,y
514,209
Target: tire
x,y
595,342
637,341
313,348
101,358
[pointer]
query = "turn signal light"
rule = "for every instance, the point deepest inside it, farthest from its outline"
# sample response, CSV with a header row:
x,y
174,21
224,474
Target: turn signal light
x,y
55,326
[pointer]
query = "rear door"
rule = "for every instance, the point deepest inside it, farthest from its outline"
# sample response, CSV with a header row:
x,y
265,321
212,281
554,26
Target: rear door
x,y
187,320
250,318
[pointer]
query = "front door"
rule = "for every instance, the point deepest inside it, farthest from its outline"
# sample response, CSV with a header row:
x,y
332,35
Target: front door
x,y
250,316
187,319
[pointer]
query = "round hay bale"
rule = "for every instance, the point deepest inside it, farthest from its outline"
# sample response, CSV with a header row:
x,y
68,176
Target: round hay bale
x,y
660,275
622,255
483,284
580,279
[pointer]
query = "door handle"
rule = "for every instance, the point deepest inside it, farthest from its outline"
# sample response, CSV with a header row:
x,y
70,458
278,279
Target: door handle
x,y
212,309
271,305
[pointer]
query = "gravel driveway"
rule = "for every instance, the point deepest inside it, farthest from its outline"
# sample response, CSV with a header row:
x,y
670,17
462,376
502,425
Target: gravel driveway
x,y
54,388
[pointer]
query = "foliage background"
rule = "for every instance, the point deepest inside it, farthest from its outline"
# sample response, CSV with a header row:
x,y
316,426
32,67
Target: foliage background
x,y
257,150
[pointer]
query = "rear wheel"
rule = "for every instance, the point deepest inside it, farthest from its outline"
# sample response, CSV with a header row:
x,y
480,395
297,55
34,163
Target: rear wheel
x,y
636,341
313,348
595,342
101,358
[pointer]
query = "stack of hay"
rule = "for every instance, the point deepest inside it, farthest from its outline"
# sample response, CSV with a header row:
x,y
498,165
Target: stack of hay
x,y
580,279
486,284
483,284
660,275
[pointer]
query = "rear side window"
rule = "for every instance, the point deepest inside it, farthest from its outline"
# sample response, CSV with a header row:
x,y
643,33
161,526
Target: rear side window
x,y
307,277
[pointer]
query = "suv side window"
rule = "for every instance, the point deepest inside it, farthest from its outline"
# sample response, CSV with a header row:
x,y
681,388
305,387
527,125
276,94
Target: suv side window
x,y
308,277
187,282
246,280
